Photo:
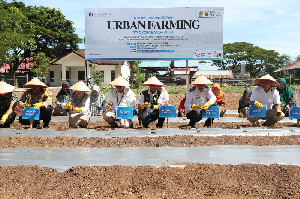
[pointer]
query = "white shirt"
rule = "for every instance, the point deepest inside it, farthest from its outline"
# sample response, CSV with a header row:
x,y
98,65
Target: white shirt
x,y
265,98
194,96
126,98
164,96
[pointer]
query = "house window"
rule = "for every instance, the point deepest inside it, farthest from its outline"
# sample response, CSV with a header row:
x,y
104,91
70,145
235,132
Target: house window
x,y
81,75
51,76
112,75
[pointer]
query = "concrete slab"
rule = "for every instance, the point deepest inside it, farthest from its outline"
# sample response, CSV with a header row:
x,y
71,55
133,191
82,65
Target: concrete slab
x,y
64,158
79,133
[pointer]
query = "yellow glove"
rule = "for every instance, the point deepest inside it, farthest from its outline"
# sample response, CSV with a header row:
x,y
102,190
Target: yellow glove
x,y
258,105
155,107
47,96
207,105
280,113
77,110
196,107
3,119
39,105
108,106
68,107
145,105
24,105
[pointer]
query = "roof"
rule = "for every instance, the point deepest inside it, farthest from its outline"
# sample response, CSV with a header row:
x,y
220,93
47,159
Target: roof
x,y
215,73
81,53
190,68
292,66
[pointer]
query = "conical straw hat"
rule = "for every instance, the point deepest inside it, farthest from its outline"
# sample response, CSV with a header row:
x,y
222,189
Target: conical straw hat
x,y
6,88
201,80
80,86
274,83
120,81
34,82
152,81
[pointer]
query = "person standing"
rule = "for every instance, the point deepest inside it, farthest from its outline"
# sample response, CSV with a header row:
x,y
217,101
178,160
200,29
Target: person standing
x,y
198,99
286,96
120,95
79,106
149,103
265,94
8,101
39,97
297,96
62,98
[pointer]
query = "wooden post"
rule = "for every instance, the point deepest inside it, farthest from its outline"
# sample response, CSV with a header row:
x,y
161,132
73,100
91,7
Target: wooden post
x,y
298,121
167,122
186,74
31,124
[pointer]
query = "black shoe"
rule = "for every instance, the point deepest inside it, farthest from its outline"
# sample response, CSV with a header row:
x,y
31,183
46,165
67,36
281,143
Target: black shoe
x,y
208,123
159,125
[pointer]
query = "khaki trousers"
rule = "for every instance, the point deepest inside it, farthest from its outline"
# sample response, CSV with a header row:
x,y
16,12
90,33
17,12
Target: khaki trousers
x,y
110,117
77,120
271,118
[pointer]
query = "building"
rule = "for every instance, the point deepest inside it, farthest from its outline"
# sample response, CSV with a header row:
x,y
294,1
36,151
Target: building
x,y
73,67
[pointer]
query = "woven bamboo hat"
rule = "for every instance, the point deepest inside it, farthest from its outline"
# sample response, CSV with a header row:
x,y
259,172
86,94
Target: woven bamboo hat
x,y
6,88
80,86
201,80
152,81
35,82
267,77
120,81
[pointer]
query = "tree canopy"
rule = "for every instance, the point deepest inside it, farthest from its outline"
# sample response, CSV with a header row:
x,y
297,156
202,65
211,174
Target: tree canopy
x,y
257,60
28,31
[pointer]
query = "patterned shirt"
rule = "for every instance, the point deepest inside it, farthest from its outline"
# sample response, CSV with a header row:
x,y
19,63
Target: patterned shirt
x,y
7,100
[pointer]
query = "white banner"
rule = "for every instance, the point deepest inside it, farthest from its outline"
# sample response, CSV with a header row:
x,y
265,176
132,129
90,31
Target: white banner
x,y
154,33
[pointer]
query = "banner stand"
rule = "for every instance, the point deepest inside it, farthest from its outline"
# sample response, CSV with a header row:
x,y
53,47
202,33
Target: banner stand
x,y
298,121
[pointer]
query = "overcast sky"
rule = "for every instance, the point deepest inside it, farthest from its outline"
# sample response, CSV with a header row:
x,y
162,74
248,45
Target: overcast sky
x,y
270,24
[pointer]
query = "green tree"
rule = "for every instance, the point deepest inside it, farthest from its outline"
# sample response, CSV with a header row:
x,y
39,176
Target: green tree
x,y
41,65
298,57
16,35
98,77
136,77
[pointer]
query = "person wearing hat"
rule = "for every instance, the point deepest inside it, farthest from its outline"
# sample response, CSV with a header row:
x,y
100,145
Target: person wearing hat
x,y
79,106
39,97
265,94
198,99
286,96
149,103
120,95
8,101
97,103
297,96
62,98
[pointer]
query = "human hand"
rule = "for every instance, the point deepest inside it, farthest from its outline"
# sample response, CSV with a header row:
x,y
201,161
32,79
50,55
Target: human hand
x,y
258,105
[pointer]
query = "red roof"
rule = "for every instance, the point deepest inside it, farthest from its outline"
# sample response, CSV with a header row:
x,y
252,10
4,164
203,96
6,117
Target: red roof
x,y
291,66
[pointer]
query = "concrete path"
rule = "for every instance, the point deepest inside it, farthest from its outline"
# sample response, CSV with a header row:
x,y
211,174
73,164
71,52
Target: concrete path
x,y
64,158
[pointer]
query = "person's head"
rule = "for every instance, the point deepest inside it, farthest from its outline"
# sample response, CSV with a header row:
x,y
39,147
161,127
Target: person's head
x,y
3,94
282,83
247,94
36,89
79,93
216,89
266,84
201,87
65,86
153,88
120,89
95,93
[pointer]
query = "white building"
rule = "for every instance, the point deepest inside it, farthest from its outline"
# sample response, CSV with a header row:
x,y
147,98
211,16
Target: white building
x,y
73,67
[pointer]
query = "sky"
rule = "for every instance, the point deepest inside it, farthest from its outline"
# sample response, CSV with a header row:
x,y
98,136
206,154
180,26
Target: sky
x,y
269,24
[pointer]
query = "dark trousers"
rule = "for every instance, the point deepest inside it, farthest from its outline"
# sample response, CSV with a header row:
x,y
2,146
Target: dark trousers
x,y
45,115
9,120
196,116
147,117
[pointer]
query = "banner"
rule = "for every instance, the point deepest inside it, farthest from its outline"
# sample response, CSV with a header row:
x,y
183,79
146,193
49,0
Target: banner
x,y
294,113
211,112
167,111
255,112
194,33
30,113
124,112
